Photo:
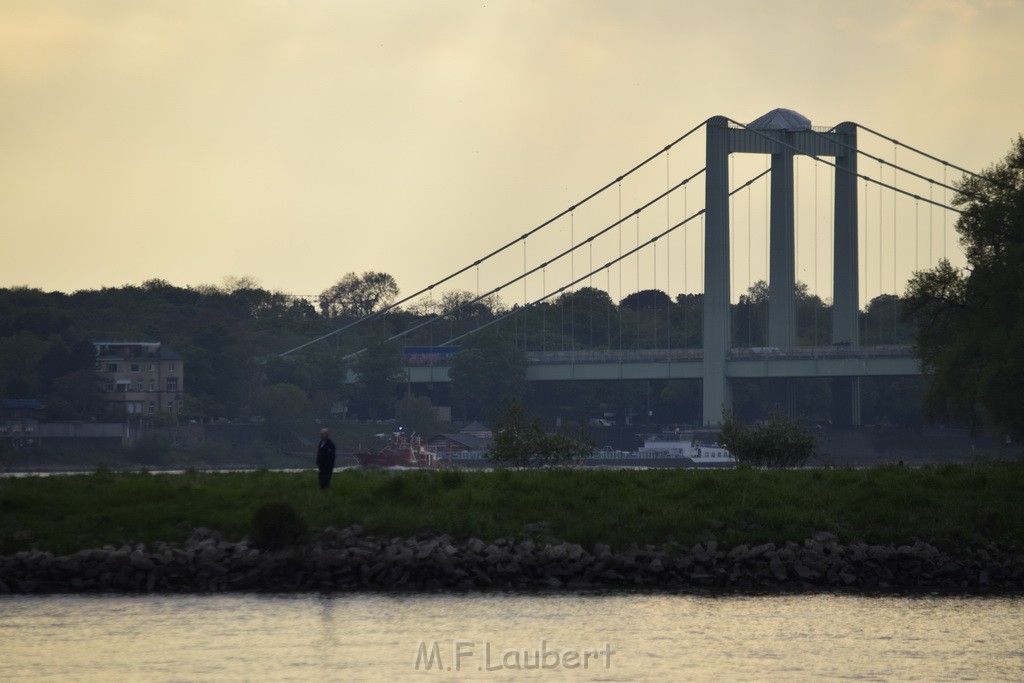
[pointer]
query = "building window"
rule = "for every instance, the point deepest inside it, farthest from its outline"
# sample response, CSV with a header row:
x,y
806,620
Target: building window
x,y
108,387
152,385
172,384
111,367
139,388
152,367
152,407
170,367
135,367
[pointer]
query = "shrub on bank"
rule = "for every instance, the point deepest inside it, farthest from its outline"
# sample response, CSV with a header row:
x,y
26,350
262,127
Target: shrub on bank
x,y
776,443
277,525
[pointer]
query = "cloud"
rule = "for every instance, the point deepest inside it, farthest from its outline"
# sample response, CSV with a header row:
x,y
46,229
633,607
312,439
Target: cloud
x,y
240,136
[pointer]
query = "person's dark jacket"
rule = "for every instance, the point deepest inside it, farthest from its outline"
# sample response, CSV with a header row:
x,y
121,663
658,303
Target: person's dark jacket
x,y
325,453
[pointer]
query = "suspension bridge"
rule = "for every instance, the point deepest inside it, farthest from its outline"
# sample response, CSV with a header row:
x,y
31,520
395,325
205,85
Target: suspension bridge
x,y
881,212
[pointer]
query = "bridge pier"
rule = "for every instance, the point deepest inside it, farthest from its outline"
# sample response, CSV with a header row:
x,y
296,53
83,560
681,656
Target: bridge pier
x,y
782,253
717,397
845,280
846,401
781,134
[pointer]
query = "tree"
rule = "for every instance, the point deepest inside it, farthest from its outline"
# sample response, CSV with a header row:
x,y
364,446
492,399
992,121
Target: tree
x,y
969,328
776,443
586,317
750,316
320,371
358,295
813,318
76,396
282,407
521,442
416,414
456,305
688,321
882,322
20,357
380,372
220,374
487,376
646,300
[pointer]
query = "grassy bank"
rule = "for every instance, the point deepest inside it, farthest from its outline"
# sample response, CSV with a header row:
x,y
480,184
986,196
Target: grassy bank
x,y
947,504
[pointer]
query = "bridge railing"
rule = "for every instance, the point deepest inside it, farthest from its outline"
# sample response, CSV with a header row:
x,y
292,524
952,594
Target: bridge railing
x,y
614,356
833,351
690,355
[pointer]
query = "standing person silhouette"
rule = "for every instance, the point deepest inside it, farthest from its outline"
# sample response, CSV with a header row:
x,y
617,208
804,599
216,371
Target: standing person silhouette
x,y
325,454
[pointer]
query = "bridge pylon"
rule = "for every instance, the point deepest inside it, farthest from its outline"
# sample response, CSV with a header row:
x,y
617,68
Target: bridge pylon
x,y
782,134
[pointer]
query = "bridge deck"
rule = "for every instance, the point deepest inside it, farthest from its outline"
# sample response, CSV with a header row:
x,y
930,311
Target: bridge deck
x,y
830,361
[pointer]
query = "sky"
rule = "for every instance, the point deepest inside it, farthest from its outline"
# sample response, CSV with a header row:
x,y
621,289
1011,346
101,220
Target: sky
x,y
291,142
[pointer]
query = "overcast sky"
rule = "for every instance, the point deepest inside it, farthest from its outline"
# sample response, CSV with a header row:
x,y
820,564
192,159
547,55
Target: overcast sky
x,y
292,141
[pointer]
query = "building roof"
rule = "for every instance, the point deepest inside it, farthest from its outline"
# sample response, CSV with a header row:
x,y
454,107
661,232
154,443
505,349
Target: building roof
x,y
135,349
467,441
475,427
781,119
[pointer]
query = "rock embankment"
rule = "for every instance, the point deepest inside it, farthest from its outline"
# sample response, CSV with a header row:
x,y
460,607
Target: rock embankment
x,y
349,560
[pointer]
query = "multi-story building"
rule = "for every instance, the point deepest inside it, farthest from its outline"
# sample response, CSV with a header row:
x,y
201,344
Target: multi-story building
x,y
140,378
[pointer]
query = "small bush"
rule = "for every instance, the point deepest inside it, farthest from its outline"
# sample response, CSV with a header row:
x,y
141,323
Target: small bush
x,y
277,525
776,443
520,442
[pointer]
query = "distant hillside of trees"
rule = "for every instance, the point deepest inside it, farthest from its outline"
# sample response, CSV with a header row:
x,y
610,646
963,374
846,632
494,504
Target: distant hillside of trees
x,y
232,338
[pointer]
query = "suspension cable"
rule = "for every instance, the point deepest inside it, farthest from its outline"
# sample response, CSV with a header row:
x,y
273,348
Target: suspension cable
x,y
654,261
895,221
668,250
814,261
944,198
922,153
818,158
543,266
499,250
637,250
615,261
893,164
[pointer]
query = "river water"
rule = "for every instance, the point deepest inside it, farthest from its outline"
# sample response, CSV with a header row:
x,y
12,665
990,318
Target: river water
x,y
501,637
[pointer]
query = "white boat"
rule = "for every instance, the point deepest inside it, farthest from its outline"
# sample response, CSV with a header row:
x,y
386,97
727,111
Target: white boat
x,y
685,445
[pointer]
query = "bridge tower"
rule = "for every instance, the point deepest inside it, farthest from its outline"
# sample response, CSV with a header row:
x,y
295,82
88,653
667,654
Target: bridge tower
x,y
782,134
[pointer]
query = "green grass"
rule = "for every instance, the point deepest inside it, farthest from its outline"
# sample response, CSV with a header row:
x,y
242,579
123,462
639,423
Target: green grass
x,y
947,504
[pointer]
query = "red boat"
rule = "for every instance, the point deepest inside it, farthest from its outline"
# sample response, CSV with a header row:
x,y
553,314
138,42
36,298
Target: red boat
x,y
400,451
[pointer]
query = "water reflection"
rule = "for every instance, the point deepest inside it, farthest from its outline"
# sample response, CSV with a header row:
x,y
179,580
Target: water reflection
x,y
620,637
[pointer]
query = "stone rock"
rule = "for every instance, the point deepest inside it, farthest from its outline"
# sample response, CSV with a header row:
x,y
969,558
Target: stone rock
x,y
778,569
805,572
347,560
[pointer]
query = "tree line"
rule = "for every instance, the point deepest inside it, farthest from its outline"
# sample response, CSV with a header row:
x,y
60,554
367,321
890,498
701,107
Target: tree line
x,y
231,337
966,325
